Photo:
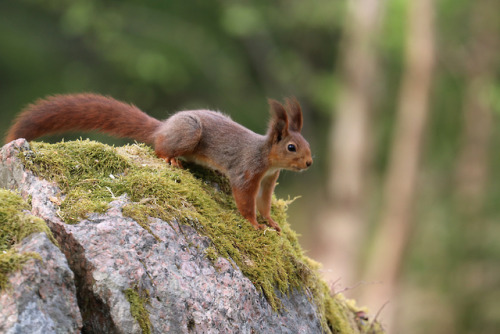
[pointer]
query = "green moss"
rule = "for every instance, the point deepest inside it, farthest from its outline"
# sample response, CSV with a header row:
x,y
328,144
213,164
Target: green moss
x,y
137,301
11,261
15,225
92,174
211,253
85,173
141,214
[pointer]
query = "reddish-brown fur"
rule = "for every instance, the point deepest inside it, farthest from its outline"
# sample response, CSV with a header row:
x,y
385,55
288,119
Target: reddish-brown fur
x,y
251,162
57,114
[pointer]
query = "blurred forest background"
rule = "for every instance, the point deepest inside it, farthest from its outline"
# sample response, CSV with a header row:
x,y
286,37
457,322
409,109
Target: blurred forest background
x,y
401,102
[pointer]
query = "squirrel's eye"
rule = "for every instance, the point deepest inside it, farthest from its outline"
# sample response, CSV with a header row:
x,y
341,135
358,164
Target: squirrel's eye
x,y
291,148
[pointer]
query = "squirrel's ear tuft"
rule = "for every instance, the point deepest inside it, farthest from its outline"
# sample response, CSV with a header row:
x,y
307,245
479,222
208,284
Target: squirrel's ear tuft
x,y
278,126
295,113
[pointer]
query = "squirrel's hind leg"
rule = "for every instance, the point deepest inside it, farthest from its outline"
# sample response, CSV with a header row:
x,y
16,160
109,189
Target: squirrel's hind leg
x,y
178,136
172,161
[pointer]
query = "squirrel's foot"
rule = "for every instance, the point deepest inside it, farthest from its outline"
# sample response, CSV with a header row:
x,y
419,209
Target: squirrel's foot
x,y
274,225
257,226
173,162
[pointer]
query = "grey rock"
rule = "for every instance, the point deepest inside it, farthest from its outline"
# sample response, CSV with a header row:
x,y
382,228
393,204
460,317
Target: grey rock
x,y
41,297
187,293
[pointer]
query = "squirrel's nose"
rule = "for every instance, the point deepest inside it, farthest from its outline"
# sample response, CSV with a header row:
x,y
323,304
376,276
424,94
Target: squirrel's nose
x,y
309,163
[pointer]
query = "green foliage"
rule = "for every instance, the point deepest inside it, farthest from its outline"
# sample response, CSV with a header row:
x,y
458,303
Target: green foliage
x,y
167,56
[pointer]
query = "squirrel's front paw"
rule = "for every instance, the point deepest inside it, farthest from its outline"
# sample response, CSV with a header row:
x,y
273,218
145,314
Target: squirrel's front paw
x,y
258,226
274,225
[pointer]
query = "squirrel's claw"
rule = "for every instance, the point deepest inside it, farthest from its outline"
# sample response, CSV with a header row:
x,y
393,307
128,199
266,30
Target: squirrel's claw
x,y
258,226
274,225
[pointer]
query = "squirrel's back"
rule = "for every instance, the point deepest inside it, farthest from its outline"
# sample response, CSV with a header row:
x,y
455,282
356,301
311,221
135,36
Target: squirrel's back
x,y
83,112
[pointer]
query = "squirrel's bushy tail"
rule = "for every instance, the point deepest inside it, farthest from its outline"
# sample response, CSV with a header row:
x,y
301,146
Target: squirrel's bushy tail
x,y
83,112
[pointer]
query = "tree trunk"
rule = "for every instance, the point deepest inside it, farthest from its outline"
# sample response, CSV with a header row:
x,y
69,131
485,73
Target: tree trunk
x,y
396,221
343,222
472,165
472,168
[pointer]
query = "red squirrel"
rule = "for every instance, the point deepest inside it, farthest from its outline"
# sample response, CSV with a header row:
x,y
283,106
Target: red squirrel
x,y
252,162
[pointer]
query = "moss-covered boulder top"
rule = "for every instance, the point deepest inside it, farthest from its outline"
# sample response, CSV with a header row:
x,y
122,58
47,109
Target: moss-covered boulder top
x,y
168,247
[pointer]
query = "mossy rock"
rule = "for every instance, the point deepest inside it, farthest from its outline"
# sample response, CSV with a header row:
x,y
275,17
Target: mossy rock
x,y
92,174
15,225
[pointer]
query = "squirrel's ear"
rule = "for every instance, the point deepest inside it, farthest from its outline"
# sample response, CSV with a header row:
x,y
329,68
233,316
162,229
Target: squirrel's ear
x,y
278,126
295,112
